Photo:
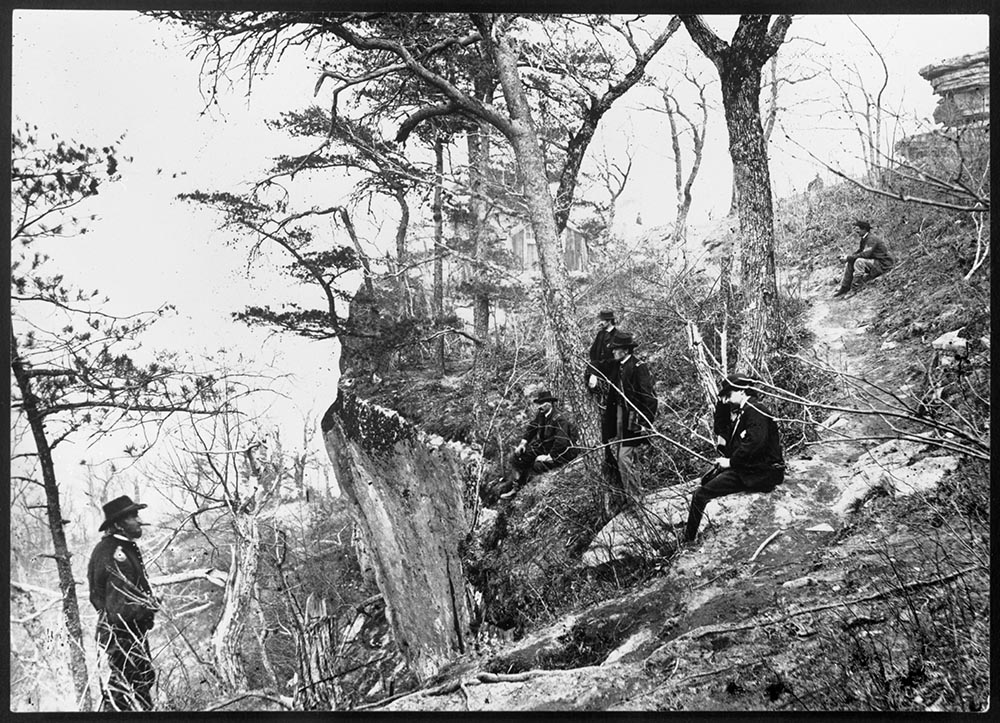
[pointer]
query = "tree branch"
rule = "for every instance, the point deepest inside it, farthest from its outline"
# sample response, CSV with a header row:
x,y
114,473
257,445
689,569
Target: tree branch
x,y
216,577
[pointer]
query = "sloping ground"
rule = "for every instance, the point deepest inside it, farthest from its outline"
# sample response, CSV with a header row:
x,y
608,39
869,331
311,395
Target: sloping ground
x,y
840,609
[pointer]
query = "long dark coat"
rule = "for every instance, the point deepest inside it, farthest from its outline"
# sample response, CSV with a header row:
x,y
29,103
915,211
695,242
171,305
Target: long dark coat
x,y
633,378
752,444
118,584
602,361
551,435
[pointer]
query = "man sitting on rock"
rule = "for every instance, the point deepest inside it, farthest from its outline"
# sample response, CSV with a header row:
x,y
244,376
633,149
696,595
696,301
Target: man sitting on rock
x,y
548,442
871,259
747,438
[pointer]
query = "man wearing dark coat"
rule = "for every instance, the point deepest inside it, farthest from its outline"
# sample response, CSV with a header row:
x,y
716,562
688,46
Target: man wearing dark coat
x,y
602,361
547,443
630,409
870,260
748,440
120,592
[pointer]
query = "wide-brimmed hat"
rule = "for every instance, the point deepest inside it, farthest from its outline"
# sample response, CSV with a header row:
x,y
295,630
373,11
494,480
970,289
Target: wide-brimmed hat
x,y
735,382
863,225
622,340
606,315
118,508
545,396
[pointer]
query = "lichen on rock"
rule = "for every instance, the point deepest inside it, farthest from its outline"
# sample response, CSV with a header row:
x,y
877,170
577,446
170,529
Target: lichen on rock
x,y
374,428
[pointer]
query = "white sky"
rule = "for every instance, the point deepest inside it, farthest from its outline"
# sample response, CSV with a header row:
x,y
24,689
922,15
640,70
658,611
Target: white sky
x,y
95,75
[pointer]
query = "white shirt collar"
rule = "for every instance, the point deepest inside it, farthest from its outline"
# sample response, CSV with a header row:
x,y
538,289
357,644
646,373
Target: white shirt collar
x,y
625,358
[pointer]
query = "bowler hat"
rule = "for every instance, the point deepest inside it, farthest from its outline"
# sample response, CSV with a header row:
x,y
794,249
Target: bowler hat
x,y
863,225
118,508
735,382
622,340
606,315
545,396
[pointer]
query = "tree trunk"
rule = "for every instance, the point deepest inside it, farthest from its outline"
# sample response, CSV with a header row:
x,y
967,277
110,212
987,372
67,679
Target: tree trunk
x,y
227,638
53,507
567,369
479,163
362,257
402,288
680,219
739,66
439,246
748,149
318,657
407,499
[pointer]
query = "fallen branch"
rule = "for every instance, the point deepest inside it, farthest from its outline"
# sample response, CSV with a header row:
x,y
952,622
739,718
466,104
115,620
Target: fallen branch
x,y
510,677
763,545
216,577
284,701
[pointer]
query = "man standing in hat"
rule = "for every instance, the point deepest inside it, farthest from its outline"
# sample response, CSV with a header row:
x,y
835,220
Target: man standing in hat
x,y
747,438
630,409
125,607
599,371
870,260
548,442
602,361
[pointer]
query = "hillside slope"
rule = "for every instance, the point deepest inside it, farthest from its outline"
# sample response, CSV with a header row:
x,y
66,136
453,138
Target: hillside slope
x,y
860,584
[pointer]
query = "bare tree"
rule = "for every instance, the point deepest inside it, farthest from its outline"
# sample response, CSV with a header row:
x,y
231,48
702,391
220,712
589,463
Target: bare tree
x,y
72,364
228,464
696,129
739,64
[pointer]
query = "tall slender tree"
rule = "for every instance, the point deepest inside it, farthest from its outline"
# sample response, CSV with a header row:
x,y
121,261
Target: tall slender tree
x,y
72,364
739,63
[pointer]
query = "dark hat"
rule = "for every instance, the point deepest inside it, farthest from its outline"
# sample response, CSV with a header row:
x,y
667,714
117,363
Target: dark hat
x,y
622,340
545,396
863,225
606,315
118,508
734,382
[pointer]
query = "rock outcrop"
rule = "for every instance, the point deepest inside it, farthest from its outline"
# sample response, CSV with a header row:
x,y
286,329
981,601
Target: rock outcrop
x,y
964,86
895,468
407,493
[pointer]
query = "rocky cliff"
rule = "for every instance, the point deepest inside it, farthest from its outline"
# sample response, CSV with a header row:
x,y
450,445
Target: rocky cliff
x,y
963,83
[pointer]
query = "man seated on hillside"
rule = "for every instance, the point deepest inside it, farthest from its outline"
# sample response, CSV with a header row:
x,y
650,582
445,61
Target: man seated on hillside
x,y
548,442
870,260
748,440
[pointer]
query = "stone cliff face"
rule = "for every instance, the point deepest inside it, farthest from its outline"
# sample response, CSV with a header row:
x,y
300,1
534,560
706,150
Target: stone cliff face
x,y
407,496
963,83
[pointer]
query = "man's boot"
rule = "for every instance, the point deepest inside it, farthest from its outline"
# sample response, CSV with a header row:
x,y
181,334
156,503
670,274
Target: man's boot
x,y
521,480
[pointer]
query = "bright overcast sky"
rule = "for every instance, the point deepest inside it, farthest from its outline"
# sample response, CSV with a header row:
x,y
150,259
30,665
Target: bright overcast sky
x,y
95,75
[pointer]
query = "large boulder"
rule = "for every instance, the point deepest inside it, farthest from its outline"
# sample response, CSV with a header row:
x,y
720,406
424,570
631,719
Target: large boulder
x,y
895,468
